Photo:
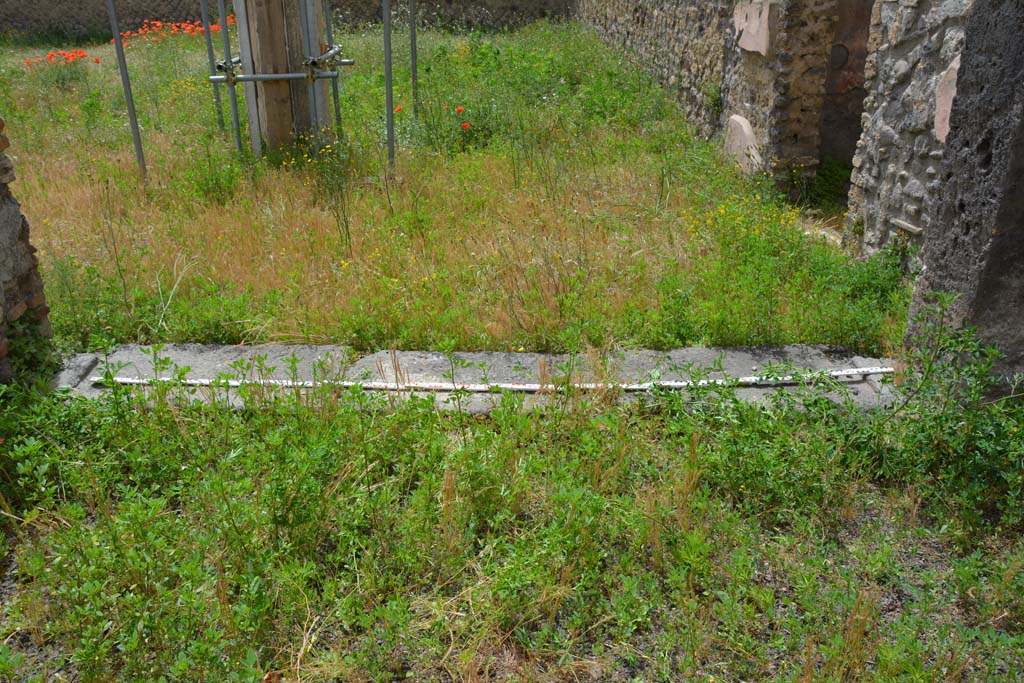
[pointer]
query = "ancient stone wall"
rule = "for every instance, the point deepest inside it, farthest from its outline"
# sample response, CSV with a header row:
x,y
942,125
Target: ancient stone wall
x,y
475,13
975,244
804,43
88,18
759,69
23,307
750,87
682,43
843,106
911,77
83,18
776,79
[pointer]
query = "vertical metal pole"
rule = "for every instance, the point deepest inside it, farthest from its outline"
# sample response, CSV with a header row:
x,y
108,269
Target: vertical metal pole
x,y
232,96
127,85
415,64
204,9
389,91
248,67
334,81
304,15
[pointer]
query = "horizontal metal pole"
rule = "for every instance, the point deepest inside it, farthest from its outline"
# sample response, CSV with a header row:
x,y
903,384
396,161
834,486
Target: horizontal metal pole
x,y
498,387
246,78
330,54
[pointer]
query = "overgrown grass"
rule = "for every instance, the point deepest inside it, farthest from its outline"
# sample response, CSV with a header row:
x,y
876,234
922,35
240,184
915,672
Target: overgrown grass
x,y
577,210
331,537
336,537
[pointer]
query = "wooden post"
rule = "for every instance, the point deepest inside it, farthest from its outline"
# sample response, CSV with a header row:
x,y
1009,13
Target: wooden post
x,y
279,45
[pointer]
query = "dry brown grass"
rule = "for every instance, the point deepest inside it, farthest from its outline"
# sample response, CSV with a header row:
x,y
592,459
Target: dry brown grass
x,y
579,212
510,255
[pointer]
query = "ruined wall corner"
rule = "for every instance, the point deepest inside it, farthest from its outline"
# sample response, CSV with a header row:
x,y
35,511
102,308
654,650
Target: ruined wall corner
x,y
23,309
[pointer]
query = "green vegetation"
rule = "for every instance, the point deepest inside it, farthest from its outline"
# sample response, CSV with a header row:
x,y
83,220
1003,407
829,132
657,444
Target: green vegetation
x,y
576,210
831,185
340,537
332,537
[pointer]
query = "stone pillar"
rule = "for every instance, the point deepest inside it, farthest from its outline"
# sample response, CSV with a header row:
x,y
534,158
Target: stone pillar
x,y
975,247
23,306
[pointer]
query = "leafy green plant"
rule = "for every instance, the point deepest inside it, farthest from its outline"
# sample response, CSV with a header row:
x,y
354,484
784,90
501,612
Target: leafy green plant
x,y
951,434
215,177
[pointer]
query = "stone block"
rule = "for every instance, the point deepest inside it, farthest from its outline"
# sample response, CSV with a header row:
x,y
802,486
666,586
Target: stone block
x,y
742,145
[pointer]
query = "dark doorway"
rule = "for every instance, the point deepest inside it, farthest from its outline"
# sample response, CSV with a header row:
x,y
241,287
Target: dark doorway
x,y
844,85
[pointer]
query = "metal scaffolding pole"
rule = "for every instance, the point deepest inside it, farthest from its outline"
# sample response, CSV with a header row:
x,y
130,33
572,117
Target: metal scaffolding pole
x,y
204,9
389,96
335,86
414,60
232,95
245,62
126,83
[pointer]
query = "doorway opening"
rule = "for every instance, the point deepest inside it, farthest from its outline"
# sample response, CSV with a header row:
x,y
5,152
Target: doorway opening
x,y
845,91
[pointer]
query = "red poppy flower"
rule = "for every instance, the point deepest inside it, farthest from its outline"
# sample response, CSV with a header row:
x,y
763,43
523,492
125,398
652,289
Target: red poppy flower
x,y
96,59
398,109
465,125
28,62
459,110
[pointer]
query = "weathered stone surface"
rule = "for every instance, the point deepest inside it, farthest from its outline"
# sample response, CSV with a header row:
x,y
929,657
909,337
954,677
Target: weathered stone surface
x,y
844,84
7,174
810,27
21,288
914,47
741,144
975,247
685,44
329,363
764,61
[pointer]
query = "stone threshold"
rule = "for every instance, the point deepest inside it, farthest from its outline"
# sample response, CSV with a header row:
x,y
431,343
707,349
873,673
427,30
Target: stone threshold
x,y
478,382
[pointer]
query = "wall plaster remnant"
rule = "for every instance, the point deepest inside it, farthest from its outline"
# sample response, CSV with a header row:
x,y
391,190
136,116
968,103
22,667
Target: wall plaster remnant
x,y
944,94
756,24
